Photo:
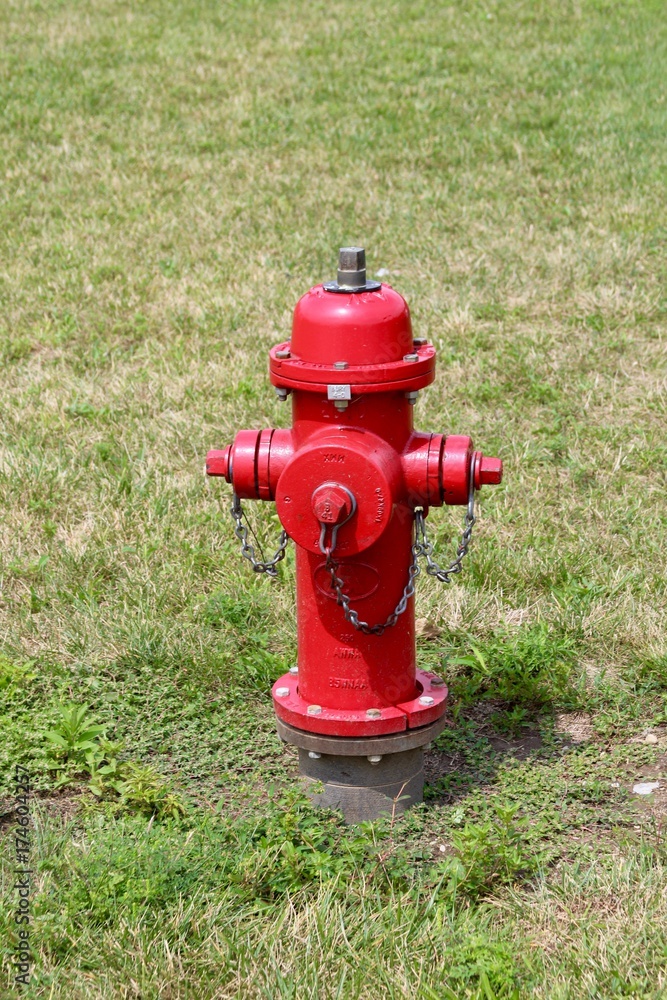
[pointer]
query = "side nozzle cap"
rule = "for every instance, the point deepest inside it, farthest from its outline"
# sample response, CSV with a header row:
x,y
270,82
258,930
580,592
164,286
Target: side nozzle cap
x,y
217,463
488,471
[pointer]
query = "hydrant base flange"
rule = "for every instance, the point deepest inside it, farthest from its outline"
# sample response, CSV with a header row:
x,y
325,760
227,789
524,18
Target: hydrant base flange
x,y
365,779
344,746
428,704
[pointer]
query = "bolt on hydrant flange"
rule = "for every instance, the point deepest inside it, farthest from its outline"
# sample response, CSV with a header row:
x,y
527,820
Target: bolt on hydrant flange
x,y
353,483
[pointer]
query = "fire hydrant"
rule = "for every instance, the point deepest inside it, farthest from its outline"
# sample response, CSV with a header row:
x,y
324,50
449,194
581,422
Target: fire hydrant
x,y
353,484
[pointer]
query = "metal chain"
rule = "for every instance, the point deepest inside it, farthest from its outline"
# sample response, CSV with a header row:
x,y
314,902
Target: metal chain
x,y
351,615
247,550
420,547
426,548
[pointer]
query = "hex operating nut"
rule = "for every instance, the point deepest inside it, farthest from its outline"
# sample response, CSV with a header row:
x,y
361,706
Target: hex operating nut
x,y
352,267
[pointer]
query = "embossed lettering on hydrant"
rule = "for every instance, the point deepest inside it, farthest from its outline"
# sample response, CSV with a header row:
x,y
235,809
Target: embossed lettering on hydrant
x,y
379,496
354,684
347,653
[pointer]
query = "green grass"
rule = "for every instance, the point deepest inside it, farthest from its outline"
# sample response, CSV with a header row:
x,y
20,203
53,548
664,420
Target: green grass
x,y
174,176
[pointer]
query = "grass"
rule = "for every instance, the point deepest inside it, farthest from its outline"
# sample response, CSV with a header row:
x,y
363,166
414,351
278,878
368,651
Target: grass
x,y
174,177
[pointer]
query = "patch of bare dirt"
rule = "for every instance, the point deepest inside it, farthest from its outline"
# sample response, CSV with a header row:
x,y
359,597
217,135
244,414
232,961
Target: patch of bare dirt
x,y
62,804
655,802
520,747
653,737
426,629
575,727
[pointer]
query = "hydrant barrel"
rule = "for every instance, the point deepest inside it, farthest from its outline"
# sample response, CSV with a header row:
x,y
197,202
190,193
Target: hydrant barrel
x,y
353,483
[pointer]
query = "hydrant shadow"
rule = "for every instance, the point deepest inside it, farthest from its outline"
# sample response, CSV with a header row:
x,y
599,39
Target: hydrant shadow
x,y
471,752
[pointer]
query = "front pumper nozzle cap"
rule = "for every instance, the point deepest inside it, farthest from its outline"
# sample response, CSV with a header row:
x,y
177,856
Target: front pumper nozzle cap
x,y
351,273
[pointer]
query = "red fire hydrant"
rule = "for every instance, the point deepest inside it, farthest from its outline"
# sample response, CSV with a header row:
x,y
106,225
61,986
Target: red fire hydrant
x,y
353,483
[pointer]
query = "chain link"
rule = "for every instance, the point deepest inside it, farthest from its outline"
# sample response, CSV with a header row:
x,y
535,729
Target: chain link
x,y
248,551
420,547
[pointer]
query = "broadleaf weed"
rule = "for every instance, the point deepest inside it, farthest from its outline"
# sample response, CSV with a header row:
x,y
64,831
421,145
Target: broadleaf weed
x,y
80,748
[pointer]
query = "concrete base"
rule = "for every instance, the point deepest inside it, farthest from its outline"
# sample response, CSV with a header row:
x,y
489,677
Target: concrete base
x,y
365,779
361,790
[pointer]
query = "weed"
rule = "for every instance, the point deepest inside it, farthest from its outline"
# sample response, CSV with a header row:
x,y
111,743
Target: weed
x,y
15,677
81,749
141,788
479,970
652,674
512,721
75,736
527,668
491,853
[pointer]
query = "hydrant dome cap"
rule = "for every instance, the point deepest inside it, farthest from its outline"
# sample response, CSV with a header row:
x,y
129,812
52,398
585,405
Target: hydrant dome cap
x,y
364,329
